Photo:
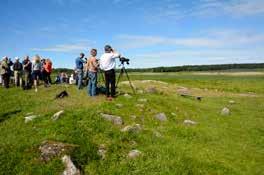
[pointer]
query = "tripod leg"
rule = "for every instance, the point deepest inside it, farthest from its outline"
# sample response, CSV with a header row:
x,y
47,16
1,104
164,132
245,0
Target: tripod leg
x,y
130,82
119,77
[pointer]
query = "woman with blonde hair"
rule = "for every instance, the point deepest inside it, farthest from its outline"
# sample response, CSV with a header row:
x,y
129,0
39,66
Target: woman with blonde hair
x,y
36,71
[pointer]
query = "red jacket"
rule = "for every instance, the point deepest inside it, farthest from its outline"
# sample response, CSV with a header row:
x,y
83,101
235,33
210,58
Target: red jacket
x,y
48,67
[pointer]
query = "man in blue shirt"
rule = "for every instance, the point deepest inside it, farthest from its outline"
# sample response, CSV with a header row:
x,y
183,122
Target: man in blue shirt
x,y
79,69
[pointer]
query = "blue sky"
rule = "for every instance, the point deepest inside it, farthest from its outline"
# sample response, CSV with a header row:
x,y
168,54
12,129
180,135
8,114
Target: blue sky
x,y
150,32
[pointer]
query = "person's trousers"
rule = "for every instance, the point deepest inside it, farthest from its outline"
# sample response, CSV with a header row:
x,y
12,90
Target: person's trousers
x,y
27,77
6,79
46,77
18,78
110,80
80,78
92,85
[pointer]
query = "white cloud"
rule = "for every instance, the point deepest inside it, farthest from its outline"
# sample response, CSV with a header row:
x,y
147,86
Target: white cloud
x,y
213,39
205,8
66,48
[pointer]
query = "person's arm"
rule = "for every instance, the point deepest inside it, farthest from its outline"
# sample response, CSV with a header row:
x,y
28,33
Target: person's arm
x,y
115,54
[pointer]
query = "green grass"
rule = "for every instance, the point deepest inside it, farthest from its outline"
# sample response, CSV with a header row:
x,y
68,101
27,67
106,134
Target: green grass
x,y
217,145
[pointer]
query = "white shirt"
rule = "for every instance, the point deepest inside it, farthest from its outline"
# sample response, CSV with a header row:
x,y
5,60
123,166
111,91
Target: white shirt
x,y
107,61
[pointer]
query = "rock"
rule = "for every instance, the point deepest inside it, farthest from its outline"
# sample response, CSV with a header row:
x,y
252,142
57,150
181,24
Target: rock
x,y
189,122
57,115
119,105
161,117
151,90
134,154
140,92
133,117
50,149
173,114
116,120
70,168
127,96
30,118
157,134
132,128
232,102
142,100
102,151
140,105
183,91
225,111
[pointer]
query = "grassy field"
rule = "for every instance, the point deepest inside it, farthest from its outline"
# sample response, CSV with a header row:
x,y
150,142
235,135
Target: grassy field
x,y
217,145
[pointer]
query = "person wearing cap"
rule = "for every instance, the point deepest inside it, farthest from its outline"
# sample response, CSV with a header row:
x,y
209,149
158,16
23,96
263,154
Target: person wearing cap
x,y
108,64
27,69
18,67
5,72
79,69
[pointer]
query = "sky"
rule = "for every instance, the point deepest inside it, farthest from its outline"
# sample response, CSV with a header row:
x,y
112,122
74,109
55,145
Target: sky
x,y
150,33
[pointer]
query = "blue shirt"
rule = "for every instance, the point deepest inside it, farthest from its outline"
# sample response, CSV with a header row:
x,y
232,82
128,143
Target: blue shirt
x,y
79,63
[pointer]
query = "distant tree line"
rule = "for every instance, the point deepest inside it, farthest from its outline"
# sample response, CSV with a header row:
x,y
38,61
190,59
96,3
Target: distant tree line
x,y
217,67
186,68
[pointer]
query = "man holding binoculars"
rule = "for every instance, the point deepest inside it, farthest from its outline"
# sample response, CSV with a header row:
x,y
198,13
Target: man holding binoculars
x,y
108,64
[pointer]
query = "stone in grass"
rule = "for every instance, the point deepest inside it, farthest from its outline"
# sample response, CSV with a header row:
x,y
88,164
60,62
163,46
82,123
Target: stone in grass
x,y
151,90
157,134
134,154
102,151
57,115
134,117
50,149
232,102
116,120
30,118
140,92
189,122
143,100
225,111
127,96
173,114
119,105
132,128
140,105
70,168
161,117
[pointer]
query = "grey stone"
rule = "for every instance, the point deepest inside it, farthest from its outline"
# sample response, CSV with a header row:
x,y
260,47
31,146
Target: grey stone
x,y
132,128
102,151
173,114
134,154
30,118
50,149
70,168
232,102
225,111
157,134
119,105
140,92
116,120
57,115
189,122
161,117
127,96
151,90
142,100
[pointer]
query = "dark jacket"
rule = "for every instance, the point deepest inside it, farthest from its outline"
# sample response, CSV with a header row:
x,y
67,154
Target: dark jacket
x,y
17,66
27,68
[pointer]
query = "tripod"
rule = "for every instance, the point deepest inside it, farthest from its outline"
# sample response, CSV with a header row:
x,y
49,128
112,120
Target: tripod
x,y
122,72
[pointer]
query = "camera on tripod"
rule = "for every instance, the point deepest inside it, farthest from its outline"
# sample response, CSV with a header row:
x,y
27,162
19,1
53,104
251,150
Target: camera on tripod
x,y
124,60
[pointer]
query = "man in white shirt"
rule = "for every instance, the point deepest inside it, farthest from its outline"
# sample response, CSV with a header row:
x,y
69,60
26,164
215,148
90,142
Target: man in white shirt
x,y
108,64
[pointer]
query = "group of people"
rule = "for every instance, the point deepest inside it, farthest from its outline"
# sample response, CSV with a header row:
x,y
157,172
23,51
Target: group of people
x,y
26,73
91,67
